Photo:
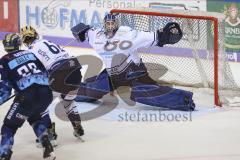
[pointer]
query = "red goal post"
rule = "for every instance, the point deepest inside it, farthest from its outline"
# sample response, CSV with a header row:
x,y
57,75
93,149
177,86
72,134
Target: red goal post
x,y
136,18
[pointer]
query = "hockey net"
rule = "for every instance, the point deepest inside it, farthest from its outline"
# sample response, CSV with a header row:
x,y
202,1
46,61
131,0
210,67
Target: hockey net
x,y
197,60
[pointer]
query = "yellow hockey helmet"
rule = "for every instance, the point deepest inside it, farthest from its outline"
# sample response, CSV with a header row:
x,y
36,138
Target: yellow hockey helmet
x,y
29,34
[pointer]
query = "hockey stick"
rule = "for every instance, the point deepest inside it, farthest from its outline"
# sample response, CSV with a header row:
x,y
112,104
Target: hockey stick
x,y
8,99
69,43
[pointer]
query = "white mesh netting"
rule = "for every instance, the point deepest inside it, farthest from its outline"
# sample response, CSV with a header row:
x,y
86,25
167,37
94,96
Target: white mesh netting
x,y
190,62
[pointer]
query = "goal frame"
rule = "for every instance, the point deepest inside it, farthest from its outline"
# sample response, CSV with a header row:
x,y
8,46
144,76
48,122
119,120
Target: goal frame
x,y
215,21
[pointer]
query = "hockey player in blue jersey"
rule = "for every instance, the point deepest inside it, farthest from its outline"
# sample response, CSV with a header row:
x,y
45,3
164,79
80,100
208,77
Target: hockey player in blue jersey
x,y
121,43
22,71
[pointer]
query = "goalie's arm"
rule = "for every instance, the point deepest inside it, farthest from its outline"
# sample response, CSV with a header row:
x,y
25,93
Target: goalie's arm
x,y
170,34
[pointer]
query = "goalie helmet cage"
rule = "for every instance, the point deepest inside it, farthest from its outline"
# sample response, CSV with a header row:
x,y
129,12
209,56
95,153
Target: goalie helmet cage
x,y
198,59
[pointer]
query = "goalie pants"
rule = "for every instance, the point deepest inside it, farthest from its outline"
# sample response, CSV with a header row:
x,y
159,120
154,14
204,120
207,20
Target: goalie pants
x,y
142,89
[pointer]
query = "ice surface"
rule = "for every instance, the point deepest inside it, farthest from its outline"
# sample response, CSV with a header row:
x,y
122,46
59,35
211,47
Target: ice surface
x,y
212,133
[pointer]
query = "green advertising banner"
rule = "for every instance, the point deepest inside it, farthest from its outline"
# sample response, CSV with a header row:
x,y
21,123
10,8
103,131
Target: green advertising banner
x,y
232,22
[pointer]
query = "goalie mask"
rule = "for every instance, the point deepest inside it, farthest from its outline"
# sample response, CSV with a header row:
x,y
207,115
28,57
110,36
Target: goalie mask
x,y
12,42
110,25
29,34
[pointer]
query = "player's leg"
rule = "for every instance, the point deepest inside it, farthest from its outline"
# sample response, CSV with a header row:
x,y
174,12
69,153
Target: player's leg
x,y
165,97
13,120
65,78
42,133
72,113
94,88
42,97
69,91
147,91
50,129
7,140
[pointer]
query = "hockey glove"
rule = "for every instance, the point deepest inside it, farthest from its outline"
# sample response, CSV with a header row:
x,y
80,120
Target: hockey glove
x,y
79,31
170,34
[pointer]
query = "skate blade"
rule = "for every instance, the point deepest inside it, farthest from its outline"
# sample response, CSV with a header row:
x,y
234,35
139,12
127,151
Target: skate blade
x,y
78,137
51,157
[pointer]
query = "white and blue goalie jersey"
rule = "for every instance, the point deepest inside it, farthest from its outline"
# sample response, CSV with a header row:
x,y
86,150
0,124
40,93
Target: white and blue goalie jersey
x,y
126,41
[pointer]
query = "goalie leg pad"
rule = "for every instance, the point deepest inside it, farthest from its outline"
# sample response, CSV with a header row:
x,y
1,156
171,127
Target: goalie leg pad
x,y
94,88
163,96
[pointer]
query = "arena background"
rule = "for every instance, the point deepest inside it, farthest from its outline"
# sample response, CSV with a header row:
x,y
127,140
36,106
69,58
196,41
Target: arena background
x,y
127,133
53,19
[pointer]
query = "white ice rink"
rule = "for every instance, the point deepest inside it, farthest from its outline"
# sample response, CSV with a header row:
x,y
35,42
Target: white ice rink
x,y
210,134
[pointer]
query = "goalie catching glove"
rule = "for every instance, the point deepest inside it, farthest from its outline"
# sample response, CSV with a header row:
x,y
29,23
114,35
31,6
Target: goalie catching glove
x,y
170,34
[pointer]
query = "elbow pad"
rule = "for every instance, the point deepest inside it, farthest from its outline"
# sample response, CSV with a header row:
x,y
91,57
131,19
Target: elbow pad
x,y
170,34
79,31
